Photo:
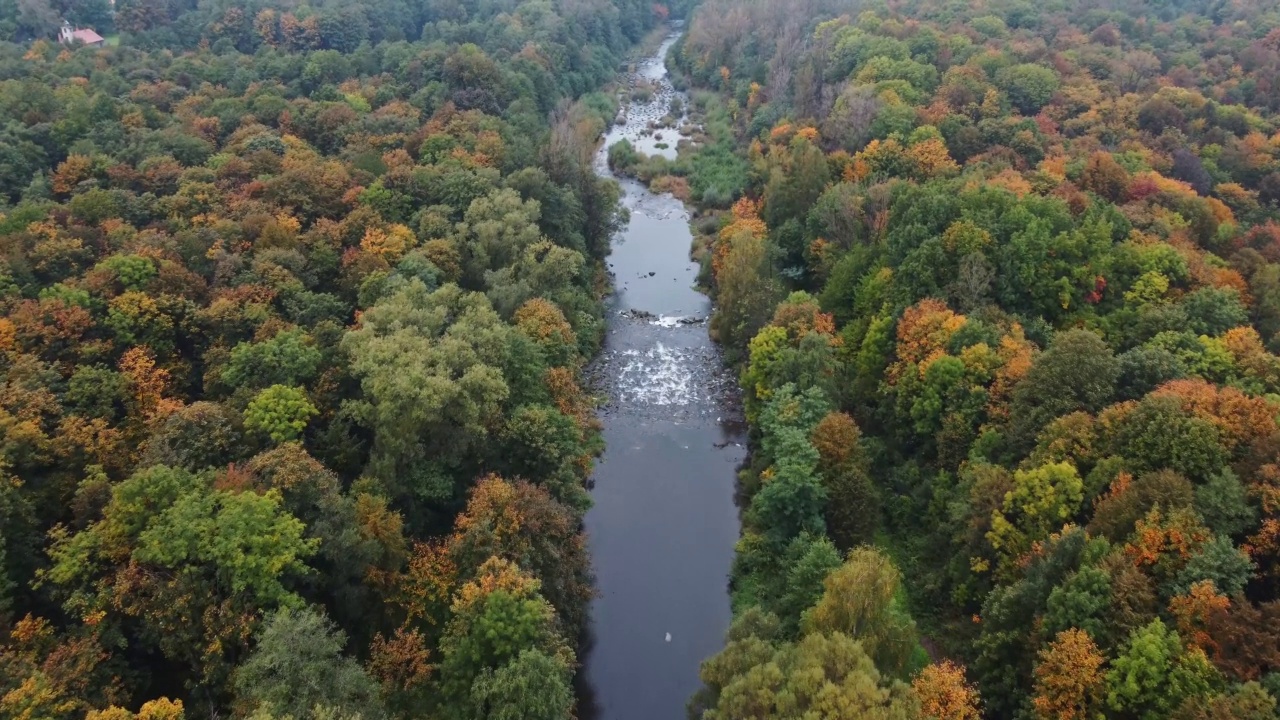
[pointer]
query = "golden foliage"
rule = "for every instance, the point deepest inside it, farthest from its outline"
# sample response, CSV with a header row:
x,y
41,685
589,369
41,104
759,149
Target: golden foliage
x,y
1159,535
444,255
391,242
1192,613
401,662
945,694
149,384
543,322
923,332
1068,678
932,158
71,172
494,575
1241,419
746,221
836,438
427,585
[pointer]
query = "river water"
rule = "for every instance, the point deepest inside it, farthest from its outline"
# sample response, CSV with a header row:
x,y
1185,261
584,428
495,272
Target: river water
x,y
663,527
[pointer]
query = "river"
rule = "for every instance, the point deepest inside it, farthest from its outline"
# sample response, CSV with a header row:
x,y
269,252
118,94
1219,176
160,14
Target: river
x,y
662,530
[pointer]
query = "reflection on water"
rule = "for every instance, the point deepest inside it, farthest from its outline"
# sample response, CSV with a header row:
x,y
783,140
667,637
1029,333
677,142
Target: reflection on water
x,y
664,524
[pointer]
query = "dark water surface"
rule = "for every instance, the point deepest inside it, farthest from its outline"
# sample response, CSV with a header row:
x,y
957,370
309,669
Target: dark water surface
x,y
664,524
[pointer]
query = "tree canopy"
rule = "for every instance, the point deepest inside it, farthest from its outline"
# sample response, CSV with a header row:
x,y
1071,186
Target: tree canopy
x,y
999,280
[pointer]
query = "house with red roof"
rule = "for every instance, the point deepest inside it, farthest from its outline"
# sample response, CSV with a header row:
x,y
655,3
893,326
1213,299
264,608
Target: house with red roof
x,y
87,36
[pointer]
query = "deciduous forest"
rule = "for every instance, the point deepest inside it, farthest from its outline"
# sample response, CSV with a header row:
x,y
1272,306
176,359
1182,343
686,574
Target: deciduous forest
x,y
1002,280
294,304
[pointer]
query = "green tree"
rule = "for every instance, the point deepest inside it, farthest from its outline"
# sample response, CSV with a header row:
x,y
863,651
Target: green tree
x,y
1243,702
280,412
544,270
1212,311
859,601
135,318
244,538
806,569
541,442
1159,433
289,358
6,584
185,565
1007,644
745,292
792,498
1153,674
297,666
1080,602
1029,86
1077,372
1223,504
1041,502
199,436
853,505
793,188
1146,368
1219,562
786,583
355,535
494,233
97,391
133,272
533,686
496,617
792,501
823,675
431,365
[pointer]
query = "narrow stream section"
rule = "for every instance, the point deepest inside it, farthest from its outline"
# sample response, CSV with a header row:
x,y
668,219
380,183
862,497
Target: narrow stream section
x,y
664,523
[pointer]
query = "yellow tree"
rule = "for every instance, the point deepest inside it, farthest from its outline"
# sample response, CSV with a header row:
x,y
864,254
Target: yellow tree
x,y
945,694
932,158
1041,501
1069,678
161,709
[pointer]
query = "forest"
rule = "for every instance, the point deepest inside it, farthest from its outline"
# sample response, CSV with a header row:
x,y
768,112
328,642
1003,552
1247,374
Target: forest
x,y
295,301
1002,283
